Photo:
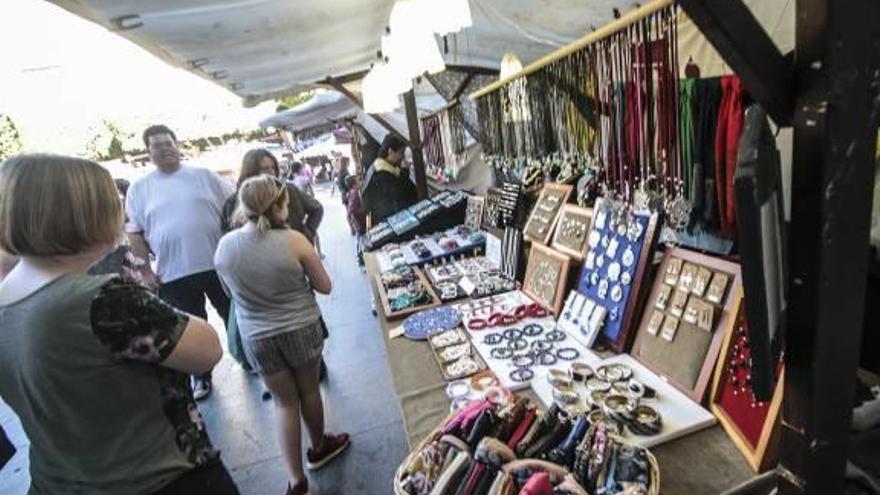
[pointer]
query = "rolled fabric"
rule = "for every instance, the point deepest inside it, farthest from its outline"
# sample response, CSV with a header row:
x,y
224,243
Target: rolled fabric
x,y
535,431
481,427
524,426
471,410
452,474
564,453
538,484
545,442
493,452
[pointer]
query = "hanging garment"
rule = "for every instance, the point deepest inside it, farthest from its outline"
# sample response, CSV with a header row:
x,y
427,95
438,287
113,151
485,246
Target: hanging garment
x,y
687,130
730,125
707,100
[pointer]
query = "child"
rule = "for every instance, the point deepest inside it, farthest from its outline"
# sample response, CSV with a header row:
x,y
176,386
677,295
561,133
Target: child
x,y
357,218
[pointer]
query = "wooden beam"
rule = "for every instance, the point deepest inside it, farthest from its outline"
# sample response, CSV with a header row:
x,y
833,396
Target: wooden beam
x,y
338,86
835,133
738,37
477,71
603,32
415,140
461,87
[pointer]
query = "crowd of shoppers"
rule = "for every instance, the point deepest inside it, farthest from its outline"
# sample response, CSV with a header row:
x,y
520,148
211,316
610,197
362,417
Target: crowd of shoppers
x,y
97,349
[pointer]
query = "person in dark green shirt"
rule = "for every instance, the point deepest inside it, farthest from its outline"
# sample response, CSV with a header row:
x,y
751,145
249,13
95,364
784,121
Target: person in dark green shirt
x,y
387,187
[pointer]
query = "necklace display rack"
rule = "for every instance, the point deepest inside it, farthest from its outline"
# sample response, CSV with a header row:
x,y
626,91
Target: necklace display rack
x,y
546,277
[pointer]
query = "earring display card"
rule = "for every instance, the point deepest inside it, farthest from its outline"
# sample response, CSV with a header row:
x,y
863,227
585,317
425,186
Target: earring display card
x,y
546,275
473,215
571,232
545,214
582,318
753,425
696,298
620,244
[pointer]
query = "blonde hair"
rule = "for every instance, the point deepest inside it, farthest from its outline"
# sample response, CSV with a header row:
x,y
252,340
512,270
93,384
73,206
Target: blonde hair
x,y
257,197
56,205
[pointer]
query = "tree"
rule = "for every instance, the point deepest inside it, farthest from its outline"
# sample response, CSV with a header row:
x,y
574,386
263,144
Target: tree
x,y
10,138
106,144
294,100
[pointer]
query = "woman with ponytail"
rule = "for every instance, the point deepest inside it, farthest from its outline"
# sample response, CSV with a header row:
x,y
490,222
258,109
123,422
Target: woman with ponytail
x,y
272,273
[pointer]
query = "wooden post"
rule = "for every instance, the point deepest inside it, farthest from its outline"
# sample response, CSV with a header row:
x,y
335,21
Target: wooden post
x,y
415,141
339,86
835,131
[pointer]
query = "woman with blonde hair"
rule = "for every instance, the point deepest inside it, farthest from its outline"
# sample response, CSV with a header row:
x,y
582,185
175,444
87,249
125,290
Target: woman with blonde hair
x,y
95,367
272,273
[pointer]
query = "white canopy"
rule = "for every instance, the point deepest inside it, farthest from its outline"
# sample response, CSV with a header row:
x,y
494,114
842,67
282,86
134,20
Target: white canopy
x,y
261,49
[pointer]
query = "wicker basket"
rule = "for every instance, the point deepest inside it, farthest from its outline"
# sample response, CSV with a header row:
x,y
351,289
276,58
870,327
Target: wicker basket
x,y
654,465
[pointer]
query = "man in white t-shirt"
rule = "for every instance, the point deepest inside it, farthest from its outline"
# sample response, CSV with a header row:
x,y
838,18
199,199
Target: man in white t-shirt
x,y
174,211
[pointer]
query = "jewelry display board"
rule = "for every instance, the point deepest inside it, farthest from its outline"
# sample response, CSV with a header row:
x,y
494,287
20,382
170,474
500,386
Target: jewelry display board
x,y
546,275
690,310
492,209
473,215
571,232
678,414
455,355
753,425
516,338
582,318
616,267
545,214
401,283
453,242
467,277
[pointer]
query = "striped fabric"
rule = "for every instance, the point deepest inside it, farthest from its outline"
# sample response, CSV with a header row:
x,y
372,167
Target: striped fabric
x,y
288,350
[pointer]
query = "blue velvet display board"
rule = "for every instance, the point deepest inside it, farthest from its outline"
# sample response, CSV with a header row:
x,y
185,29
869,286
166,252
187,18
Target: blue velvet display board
x,y
612,266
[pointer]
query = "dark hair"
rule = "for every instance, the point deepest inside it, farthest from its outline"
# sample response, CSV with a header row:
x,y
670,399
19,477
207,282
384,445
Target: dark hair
x,y
391,142
155,130
250,164
349,181
296,166
122,186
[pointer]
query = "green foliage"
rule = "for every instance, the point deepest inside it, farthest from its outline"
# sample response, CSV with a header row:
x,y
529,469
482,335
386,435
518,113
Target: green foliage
x,y
106,144
10,138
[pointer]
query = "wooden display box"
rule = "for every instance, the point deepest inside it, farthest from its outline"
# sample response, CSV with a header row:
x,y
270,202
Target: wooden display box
x,y
548,207
386,306
756,433
687,360
546,287
570,243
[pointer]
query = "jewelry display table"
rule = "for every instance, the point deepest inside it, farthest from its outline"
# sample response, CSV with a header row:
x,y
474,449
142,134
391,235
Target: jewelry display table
x,y
705,462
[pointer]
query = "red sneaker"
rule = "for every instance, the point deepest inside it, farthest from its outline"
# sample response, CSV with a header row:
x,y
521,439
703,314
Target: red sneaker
x,y
301,488
333,446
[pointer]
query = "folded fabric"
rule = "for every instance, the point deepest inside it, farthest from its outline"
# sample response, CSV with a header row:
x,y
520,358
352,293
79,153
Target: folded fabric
x,y
493,452
468,413
482,426
538,484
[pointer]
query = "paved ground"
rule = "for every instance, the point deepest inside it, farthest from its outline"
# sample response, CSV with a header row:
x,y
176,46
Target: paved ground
x,y
358,396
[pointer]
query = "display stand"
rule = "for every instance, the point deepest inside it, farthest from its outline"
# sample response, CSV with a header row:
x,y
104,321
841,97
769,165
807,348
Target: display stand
x,y
546,277
754,426
617,268
545,214
571,233
692,308
393,315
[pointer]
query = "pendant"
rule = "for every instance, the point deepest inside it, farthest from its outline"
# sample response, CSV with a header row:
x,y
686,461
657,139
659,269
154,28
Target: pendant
x,y
678,211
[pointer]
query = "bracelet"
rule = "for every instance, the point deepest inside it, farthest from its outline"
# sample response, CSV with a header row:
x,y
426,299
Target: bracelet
x,y
541,346
555,336
520,375
501,353
477,324
493,339
568,353
533,330
523,361
517,344
513,334
547,358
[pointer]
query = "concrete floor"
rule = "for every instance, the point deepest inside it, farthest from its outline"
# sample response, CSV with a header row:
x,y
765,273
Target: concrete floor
x,y
358,395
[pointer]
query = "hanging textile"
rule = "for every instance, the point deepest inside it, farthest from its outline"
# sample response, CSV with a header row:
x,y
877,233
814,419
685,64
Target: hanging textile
x,y
730,126
707,99
686,132
432,142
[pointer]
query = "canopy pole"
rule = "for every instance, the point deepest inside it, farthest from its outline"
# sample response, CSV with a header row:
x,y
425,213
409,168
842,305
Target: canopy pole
x,y
339,86
415,140
603,32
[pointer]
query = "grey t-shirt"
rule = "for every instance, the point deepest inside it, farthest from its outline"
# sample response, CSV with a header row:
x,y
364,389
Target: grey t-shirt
x,y
79,365
267,283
